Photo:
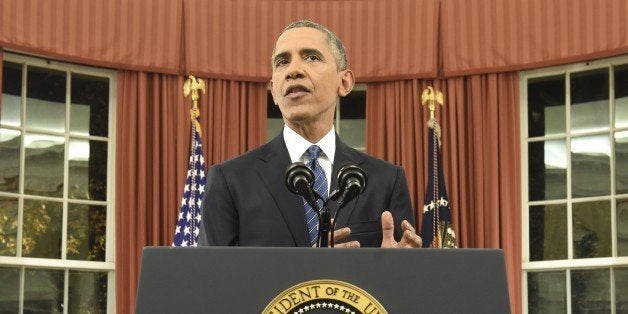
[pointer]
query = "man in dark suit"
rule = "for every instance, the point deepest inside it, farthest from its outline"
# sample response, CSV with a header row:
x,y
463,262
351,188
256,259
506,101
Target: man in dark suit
x,y
246,200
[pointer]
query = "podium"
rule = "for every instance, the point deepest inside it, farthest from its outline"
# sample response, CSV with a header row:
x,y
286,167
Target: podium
x,y
308,280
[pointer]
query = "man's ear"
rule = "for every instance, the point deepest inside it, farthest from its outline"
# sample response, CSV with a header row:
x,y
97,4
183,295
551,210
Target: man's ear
x,y
347,81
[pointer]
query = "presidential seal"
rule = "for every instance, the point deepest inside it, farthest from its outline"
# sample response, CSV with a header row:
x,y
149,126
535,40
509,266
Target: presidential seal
x,y
324,296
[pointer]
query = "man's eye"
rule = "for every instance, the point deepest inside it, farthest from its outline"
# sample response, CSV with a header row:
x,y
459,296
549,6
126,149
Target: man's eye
x,y
312,58
281,62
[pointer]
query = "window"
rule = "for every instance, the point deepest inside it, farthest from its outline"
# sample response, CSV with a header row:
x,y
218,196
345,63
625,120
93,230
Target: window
x,y
56,187
349,120
574,123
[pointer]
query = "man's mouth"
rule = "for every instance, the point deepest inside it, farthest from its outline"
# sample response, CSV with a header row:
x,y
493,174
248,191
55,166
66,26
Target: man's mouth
x,y
296,91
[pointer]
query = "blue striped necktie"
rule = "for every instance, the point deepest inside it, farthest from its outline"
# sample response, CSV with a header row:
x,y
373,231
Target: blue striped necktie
x,y
320,186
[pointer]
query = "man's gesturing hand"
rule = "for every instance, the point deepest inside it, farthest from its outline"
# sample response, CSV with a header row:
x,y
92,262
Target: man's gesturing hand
x,y
341,234
409,239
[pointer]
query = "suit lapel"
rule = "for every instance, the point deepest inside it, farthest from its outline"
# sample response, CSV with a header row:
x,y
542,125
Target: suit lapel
x,y
272,163
343,155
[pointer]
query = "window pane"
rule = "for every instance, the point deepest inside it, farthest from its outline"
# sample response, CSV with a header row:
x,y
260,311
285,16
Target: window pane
x,y
42,229
43,291
88,292
547,166
11,93
546,106
589,101
10,141
274,123
273,128
590,291
43,166
90,105
8,227
592,229
547,292
590,165
86,232
622,227
621,96
9,290
621,290
45,104
352,119
548,232
88,169
352,132
621,162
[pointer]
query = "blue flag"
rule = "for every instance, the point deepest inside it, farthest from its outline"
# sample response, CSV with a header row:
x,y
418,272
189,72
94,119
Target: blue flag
x,y
186,233
437,231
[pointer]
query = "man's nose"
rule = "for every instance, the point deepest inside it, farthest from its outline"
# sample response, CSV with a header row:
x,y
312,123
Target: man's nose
x,y
295,70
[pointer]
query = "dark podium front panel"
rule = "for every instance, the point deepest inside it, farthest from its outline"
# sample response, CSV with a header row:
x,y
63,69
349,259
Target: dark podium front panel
x,y
247,280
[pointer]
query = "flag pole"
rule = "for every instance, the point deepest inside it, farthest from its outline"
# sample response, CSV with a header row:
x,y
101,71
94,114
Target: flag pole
x,y
431,97
188,223
437,231
191,86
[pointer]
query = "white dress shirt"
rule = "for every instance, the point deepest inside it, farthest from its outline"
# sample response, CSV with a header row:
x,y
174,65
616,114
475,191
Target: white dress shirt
x,y
297,148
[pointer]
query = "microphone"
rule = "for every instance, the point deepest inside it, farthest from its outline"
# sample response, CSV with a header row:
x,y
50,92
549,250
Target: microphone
x,y
299,180
351,183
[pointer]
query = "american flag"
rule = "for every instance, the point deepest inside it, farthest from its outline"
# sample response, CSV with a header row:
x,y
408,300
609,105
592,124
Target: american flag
x,y
186,233
437,231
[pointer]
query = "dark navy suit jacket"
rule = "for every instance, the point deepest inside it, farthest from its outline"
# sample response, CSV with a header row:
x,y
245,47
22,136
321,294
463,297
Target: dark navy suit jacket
x,y
247,203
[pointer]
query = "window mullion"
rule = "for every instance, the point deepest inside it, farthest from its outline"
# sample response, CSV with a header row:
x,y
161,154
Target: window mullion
x,y
111,285
66,290
20,211
568,289
66,167
569,169
613,294
21,293
111,174
611,102
569,187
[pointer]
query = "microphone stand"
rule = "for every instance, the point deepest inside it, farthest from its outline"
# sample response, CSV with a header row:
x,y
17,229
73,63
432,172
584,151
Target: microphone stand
x,y
325,216
325,222
299,179
324,226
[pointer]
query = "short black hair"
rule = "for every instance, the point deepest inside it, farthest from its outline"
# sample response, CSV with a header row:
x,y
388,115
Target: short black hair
x,y
337,48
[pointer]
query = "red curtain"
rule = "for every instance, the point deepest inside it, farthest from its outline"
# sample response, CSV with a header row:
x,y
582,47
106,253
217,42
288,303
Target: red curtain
x,y
480,123
233,118
484,36
123,34
384,39
153,132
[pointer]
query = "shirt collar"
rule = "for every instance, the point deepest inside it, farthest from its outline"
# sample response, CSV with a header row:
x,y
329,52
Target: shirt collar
x,y
297,145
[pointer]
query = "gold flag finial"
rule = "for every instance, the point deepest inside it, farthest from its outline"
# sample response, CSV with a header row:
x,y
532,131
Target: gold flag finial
x,y
191,86
431,97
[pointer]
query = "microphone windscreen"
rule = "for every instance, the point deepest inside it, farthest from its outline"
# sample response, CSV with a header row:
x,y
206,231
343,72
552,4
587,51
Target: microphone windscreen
x,y
298,174
351,174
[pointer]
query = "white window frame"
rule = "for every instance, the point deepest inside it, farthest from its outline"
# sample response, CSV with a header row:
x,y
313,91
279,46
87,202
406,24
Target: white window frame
x,y
63,264
570,263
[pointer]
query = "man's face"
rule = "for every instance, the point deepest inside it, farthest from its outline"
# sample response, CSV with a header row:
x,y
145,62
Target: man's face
x,y
306,82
